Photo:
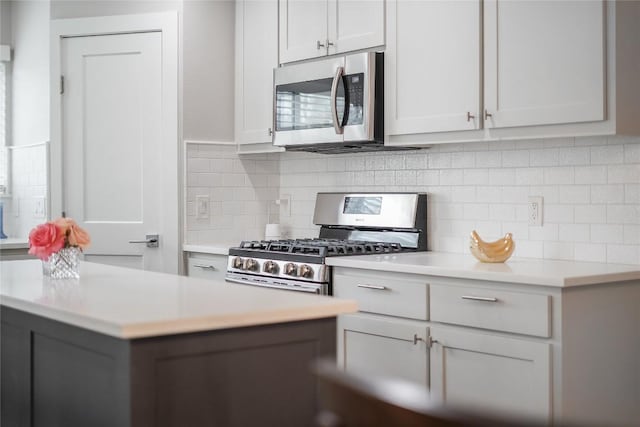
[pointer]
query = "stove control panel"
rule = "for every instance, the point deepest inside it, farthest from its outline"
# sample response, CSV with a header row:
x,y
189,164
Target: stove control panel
x,y
308,272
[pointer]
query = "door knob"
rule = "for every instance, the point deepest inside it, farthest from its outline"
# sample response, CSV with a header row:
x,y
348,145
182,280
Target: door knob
x,y
151,240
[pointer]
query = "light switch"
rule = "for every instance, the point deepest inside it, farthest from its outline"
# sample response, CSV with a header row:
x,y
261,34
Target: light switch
x,y
202,207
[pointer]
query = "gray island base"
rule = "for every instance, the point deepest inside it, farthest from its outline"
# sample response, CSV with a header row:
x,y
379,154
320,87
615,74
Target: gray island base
x,y
55,374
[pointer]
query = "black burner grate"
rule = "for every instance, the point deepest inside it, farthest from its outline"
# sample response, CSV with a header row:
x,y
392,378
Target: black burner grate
x,y
322,247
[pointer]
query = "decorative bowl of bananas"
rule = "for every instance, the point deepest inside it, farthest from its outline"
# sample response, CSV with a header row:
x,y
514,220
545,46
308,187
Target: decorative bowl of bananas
x,y
498,251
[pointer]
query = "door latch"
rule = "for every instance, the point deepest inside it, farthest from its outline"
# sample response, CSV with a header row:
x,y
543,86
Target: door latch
x,y
151,240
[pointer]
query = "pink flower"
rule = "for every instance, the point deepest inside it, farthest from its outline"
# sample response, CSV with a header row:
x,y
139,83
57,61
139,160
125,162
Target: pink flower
x,y
46,239
76,235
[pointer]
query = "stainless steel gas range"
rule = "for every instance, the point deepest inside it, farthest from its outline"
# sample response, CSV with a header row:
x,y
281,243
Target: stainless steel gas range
x,y
351,224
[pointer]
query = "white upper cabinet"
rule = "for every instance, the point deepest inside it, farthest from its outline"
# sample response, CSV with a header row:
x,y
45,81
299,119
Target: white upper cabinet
x,y
313,28
458,71
544,62
256,57
432,66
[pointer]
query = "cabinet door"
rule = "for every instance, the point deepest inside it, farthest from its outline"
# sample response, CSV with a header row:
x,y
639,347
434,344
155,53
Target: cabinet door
x,y
383,347
432,66
256,57
543,62
354,25
489,373
303,26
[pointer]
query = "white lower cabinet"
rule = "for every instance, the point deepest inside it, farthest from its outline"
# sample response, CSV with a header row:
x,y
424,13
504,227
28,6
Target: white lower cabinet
x,y
400,347
484,372
527,351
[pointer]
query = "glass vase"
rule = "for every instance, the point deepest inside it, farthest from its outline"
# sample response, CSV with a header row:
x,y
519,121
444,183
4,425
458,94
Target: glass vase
x,y
62,264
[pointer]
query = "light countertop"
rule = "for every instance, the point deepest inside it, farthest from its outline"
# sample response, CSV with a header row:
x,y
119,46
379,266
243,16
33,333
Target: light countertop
x,y
215,249
515,270
128,303
14,243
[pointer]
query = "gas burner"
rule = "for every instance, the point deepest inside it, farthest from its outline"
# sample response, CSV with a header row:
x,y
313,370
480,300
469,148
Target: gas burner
x,y
322,247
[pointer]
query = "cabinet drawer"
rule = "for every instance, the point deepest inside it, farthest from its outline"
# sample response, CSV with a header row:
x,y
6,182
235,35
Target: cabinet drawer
x,y
499,310
207,266
394,295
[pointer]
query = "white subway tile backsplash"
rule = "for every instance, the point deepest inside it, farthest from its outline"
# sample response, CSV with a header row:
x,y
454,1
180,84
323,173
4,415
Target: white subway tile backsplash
x,y
451,177
463,160
574,232
590,252
476,176
590,174
623,254
545,157
632,193
572,194
574,156
384,177
624,174
607,155
590,214
607,193
607,233
512,159
631,234
561,175
490,194
559,250
488,159
623,214
590,186
632,152
439,160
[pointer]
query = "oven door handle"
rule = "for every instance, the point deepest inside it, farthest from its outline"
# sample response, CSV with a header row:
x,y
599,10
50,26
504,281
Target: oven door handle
x,y
337,125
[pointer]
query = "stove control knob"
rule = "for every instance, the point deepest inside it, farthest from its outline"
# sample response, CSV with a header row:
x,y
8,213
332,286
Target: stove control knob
x,y
306,271
238,263
290,269
251,265
270,267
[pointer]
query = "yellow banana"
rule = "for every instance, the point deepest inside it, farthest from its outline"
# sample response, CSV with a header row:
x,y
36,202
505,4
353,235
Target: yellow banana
x,y
498,251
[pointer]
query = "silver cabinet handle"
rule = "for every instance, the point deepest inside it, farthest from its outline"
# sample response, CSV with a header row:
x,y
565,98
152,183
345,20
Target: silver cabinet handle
x,y
151,240
429,341
470,116
379,288
487,115
319,45
475,298
337,126
205,266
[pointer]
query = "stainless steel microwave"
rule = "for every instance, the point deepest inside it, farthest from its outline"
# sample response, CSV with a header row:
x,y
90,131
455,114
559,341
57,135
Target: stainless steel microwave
x,y
332,105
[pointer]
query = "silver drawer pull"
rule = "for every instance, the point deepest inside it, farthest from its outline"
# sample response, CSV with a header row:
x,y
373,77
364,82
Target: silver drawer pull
x,y
379,288
209,267
474,298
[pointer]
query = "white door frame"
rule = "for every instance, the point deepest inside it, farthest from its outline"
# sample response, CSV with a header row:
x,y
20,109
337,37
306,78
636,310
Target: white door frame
x,y
167,24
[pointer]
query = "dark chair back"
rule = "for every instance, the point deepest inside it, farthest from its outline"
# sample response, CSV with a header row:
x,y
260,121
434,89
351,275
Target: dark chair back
x,y
348,400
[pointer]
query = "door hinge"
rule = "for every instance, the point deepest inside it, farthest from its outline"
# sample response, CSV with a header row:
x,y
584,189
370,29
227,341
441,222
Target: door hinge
x,y
61,85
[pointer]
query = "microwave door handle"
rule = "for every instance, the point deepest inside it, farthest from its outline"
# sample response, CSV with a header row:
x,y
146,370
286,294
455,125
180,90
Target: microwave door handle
x,y
337,125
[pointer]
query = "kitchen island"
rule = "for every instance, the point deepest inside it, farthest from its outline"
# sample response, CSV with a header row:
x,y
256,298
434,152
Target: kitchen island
x,y
123,347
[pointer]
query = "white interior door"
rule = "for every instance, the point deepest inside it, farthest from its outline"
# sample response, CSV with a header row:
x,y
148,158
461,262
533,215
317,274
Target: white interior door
x,y
111,146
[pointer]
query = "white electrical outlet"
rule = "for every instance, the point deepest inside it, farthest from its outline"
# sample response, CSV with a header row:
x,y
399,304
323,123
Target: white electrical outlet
x,y
535,211
285,203
202,207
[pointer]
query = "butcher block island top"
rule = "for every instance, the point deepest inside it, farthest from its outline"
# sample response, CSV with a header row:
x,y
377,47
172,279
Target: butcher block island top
x,y
127,303
530,271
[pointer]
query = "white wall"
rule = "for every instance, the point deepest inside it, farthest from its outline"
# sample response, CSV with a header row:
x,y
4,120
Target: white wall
x,y
30,85
208,81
